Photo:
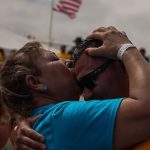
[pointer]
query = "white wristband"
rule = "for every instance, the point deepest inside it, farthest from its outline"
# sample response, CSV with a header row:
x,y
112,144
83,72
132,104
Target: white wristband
x,y
122,49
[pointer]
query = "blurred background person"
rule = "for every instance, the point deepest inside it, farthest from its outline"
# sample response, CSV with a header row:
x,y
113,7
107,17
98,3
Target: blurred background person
x,y
77,41
2,55
63,53
143,52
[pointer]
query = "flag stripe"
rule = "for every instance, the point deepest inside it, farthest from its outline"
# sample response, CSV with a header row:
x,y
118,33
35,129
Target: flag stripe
x,y
69,7
73,3
58,7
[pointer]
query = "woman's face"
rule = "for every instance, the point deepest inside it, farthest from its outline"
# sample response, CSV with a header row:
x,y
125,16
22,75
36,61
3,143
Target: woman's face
x,y
60,80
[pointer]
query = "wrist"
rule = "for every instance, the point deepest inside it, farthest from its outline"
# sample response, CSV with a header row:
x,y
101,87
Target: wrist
x,y
123,49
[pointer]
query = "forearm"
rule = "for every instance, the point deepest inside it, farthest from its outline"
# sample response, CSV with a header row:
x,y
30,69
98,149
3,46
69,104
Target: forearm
x,y
133,117
138,70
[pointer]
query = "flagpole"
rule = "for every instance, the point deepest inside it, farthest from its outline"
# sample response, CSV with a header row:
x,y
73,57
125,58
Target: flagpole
x,y
51,24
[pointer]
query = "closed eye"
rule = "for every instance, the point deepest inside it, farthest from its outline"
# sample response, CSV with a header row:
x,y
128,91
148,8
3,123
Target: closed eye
x,y
54,59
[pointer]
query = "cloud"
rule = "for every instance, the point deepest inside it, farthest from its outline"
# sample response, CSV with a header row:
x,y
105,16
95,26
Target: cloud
x,y
33,17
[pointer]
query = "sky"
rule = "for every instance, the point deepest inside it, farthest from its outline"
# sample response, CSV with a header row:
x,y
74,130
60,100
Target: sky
x,y
32,17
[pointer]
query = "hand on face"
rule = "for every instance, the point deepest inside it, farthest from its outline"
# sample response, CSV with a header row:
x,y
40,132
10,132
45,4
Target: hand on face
x,y
25,138
112,40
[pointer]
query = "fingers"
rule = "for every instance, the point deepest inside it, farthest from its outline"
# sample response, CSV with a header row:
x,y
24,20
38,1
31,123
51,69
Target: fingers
x,y
31,120
27,138
112,28
101,32
104,29
25,142
32,134
111,38
95,51
96,35
101,29
23,147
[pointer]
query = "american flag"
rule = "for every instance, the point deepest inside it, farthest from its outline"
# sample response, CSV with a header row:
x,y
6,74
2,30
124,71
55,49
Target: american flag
x,y
69,7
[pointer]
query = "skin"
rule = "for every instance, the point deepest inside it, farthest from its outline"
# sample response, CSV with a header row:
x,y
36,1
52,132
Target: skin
x,y
134,111
112,83
5,130
51,67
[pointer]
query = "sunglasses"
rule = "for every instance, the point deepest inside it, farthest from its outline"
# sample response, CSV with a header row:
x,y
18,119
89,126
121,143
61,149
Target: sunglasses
x,y
89,80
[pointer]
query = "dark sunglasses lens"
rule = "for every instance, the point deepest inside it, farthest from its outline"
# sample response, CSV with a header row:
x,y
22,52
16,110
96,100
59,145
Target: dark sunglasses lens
x,y
87,83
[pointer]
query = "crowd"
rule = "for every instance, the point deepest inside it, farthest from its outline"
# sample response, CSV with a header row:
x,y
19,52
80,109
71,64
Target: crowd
x,y
67,54
107,70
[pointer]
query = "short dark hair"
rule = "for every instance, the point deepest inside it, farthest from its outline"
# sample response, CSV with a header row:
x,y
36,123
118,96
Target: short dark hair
x,y
79,50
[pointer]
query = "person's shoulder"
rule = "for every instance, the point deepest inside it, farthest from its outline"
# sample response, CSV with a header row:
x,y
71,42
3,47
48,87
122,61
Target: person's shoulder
x,y
79,107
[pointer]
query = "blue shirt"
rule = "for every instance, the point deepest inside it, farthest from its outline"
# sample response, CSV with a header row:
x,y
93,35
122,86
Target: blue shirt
x,y
78,125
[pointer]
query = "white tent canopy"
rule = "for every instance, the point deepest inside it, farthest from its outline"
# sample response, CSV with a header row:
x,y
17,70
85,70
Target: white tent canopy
x,y
10,40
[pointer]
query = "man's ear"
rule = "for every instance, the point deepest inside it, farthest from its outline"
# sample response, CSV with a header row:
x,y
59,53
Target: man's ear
x,y
87,94
33,83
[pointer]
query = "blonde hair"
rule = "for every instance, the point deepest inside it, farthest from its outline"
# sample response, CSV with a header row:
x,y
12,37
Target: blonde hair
x,y
15,92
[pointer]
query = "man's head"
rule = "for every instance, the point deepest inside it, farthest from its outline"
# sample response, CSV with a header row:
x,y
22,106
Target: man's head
x,y
34,73
63,48
77,41
143,51
101,78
